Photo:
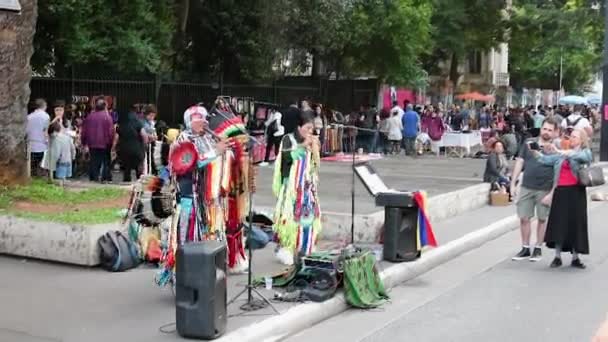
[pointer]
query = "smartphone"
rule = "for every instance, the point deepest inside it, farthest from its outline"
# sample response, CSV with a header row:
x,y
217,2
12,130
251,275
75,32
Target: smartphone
x,y
534,146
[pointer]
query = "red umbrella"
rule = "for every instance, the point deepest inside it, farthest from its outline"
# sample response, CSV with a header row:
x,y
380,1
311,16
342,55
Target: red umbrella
x,y
476,96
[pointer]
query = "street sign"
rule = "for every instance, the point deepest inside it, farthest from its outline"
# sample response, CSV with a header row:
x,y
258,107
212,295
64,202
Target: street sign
x,y
10,5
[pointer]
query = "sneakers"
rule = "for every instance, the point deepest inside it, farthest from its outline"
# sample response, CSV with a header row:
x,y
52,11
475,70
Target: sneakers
x,y
523,254
284,256
263,163
537,254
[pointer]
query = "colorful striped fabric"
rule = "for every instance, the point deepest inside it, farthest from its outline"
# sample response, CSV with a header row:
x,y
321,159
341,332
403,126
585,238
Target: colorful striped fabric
x,y
426,236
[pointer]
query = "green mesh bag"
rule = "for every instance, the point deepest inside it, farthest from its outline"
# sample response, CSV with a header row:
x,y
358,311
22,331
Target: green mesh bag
x,y
363,287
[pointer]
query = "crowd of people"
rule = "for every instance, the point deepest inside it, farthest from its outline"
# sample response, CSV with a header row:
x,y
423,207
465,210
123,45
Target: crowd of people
x,y
89,141
552,153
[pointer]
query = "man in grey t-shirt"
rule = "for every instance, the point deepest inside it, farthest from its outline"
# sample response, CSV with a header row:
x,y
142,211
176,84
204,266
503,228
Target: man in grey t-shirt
x,y
536,184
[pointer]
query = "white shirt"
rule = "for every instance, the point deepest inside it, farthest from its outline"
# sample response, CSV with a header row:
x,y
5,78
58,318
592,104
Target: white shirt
x,y
399,110
37,125
583,123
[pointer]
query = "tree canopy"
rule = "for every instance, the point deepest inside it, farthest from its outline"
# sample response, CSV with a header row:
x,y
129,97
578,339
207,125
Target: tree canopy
x,y
126,36
395,40
462,26
543,33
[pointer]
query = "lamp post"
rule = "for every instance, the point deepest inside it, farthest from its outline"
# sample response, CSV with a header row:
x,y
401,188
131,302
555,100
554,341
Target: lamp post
x,y
603,109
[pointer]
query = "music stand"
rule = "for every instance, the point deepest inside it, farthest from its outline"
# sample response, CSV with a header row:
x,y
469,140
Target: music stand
x,y
370,178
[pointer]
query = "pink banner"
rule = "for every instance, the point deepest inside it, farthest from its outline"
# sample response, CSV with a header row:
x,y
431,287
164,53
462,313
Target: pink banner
x,y
397,94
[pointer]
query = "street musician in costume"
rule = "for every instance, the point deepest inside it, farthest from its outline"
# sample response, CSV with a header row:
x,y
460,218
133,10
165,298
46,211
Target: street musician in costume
x,y
207,171
297,215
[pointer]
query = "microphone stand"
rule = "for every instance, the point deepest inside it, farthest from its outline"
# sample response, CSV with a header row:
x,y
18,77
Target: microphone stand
x,y
353,144
252,303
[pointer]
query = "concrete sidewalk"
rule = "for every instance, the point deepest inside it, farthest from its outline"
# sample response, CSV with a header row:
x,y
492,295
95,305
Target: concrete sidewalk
x,y
65,303
436,175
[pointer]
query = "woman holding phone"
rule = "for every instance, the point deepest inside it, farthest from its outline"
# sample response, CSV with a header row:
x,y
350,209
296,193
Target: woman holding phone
x,y
567,225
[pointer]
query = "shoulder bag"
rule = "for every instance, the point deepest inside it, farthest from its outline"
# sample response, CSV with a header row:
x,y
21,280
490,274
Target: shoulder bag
x,y
591,176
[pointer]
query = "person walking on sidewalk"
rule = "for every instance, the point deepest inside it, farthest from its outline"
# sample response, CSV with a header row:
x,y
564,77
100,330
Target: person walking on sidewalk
x,y
567,226
537,183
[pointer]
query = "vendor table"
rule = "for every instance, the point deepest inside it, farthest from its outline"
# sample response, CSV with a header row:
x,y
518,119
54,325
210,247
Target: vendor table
x,y
459,144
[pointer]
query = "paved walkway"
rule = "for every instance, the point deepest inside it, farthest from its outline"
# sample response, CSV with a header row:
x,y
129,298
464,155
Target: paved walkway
x,y
72,304
484,296
436,175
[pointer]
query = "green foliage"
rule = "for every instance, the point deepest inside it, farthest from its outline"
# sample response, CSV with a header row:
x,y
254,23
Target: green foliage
x,y
389,37
462,26
384,38
125,36
544,32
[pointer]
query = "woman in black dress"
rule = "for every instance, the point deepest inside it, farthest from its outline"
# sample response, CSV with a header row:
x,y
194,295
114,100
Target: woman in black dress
x,y
132,138
567,225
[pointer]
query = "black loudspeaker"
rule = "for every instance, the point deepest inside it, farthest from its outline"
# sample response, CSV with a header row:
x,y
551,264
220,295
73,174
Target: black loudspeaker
x,y
400,234
200,290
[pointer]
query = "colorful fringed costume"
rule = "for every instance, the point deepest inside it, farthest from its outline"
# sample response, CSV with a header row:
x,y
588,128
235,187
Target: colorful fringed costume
x,y
211,198
297,215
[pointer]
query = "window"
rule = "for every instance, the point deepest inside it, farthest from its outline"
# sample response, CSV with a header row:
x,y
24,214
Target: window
x,y
475,62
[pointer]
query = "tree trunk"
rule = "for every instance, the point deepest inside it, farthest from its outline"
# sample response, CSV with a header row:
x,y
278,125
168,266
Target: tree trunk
x,y
454,75
16,36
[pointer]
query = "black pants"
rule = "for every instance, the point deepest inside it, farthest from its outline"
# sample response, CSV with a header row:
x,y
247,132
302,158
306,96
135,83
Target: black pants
x,y
35,160
100,163
130,163
272,141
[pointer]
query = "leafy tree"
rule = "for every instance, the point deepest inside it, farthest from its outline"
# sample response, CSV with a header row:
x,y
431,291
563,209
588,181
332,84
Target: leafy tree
x,y
231,39
389,37
126,36
544,33
462,26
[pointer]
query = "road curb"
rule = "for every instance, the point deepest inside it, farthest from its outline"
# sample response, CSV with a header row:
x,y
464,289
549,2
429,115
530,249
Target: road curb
x,y
368,227
304,316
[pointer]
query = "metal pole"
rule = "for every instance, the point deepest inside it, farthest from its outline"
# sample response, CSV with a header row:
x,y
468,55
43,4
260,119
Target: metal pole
x,y
561,67
603,113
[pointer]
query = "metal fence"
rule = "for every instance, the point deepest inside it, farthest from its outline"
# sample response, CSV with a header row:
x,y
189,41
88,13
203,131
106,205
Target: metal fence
x,y
172,98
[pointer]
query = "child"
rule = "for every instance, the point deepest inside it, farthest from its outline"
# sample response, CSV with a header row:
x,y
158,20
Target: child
x,y
61,152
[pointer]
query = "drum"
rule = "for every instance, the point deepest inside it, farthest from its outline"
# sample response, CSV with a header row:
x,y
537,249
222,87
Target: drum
x,y
183,158
153,202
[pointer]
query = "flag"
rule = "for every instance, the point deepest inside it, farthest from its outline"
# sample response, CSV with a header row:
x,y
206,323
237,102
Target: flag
x,y
426,236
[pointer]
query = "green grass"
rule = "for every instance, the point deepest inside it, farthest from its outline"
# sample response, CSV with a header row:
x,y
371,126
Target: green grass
x,y
91,216
40,191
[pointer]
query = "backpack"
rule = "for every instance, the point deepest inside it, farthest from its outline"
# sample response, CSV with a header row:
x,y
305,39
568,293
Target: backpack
x,y
117,253
573,124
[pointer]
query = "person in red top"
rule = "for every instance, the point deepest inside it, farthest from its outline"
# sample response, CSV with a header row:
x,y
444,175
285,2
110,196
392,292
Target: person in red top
x,y
567,225
97,138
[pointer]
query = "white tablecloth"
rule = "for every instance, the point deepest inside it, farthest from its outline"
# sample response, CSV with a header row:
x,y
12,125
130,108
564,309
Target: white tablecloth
x,y
462,140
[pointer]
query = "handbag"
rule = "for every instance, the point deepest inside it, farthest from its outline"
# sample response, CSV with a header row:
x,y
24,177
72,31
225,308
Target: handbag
x,y
591,176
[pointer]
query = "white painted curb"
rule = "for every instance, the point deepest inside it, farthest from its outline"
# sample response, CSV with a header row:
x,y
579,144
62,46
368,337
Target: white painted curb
x,y
304,316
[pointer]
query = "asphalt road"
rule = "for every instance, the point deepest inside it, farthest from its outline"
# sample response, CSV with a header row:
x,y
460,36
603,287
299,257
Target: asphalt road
x,y
484,296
